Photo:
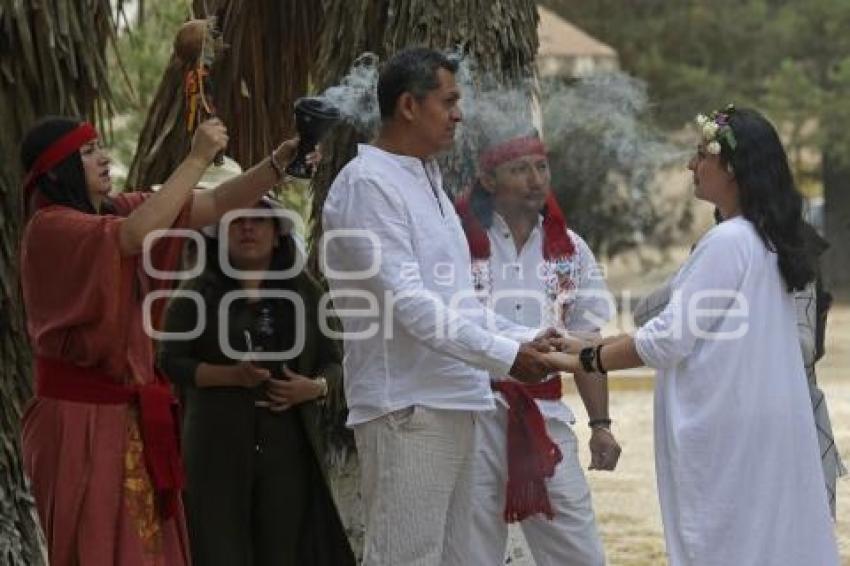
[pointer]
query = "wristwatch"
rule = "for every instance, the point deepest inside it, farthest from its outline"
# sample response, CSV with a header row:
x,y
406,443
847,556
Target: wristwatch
x,y
587,356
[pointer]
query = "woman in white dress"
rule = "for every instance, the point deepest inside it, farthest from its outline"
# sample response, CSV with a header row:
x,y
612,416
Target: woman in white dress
x,y
739,475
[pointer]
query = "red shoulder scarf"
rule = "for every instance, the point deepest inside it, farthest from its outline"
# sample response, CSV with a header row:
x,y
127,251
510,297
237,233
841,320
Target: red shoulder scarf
x,y
556,240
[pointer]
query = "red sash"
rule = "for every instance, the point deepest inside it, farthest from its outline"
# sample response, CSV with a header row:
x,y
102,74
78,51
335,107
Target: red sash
x,y
532,455
56,379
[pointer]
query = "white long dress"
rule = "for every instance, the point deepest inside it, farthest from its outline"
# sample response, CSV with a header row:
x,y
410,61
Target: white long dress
x,y
739,473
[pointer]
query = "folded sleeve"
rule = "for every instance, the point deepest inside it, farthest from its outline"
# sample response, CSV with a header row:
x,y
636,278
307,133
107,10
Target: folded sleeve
x,y
164,256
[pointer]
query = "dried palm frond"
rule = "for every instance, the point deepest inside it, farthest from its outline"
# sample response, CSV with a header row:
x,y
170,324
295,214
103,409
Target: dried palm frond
x,y
52,61
269,50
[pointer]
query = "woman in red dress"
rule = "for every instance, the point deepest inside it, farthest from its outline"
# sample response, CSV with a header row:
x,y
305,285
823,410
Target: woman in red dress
x,y
99,439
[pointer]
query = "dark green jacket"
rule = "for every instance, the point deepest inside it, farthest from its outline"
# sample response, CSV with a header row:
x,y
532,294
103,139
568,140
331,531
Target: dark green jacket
x,y
321,355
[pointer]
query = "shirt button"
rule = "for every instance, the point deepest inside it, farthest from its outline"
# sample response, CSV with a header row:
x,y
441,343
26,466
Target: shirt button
x,y
507,234
518,307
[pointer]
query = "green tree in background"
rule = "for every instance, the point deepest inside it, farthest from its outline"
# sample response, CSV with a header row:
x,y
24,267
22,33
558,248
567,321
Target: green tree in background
x,y
790,58
136,69
817,47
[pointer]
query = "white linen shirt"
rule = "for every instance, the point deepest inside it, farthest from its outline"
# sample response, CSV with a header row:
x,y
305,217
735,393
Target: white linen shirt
x,y
519,291
426,340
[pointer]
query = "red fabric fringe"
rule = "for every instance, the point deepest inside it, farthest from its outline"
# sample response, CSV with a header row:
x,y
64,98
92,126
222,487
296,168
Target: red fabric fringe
x,y
532,455
476,236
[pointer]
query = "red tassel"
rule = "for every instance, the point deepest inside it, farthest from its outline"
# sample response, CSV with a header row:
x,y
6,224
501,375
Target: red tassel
x,y
556,240
532,455
476,236
162,452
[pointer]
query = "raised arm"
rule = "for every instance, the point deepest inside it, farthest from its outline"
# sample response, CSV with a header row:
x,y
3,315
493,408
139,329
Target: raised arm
x,y
245,189
161,209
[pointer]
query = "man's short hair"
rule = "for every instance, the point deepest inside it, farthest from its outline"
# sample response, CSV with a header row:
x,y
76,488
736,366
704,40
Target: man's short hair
x,y
412,70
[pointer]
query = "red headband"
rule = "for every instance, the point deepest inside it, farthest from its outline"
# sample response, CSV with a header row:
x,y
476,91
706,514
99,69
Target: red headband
x,y
57,152
509,150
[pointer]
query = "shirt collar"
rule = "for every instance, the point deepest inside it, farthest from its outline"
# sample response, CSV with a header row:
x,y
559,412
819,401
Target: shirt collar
x,y
409,162
500,226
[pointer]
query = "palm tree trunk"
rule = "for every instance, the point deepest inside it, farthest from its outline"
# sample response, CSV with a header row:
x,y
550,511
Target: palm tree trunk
x,y
52,58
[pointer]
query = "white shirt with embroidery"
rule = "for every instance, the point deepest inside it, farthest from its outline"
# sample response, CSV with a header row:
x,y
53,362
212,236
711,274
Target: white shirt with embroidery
x,y
527,289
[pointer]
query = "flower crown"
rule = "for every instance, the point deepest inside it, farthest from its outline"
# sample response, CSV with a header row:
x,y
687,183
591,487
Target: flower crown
x,y
715,128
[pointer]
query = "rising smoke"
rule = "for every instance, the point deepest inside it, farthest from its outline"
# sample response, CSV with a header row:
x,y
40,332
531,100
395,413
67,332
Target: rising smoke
x,y
604,152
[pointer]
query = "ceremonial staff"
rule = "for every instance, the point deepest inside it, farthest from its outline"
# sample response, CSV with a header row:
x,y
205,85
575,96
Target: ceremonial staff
x,y
197,44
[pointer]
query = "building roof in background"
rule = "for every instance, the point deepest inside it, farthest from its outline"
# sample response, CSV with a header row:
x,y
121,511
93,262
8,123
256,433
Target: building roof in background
x,y
560,38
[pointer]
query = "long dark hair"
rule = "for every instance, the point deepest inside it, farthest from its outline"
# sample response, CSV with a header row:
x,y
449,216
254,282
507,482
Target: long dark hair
x,y
66,183
768,196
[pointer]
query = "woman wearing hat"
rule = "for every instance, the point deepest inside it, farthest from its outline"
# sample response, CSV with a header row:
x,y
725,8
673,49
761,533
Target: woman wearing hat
x,y
254,382
99,443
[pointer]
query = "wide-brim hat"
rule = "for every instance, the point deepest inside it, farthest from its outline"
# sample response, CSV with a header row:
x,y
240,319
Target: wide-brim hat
x,y
215,175
286,226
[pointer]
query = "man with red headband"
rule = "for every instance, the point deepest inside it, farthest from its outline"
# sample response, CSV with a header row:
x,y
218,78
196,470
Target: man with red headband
x,y
529,267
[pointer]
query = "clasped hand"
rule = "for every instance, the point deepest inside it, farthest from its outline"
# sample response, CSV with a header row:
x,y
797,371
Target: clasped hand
x,y
282,394
551,351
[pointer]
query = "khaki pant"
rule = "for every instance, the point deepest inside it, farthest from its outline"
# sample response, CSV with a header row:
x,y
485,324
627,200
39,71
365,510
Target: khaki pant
x,y
416,465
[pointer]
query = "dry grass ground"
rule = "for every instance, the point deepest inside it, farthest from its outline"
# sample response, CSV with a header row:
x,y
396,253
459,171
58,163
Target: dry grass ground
x,y
626,502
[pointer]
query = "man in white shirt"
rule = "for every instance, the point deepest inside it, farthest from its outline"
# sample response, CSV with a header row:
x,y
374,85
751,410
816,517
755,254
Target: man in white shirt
x,y
419,346
529,267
